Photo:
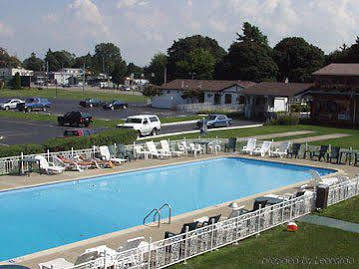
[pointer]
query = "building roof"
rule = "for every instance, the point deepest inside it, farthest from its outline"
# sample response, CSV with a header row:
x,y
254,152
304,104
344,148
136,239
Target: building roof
x,y
338,70
279,89
206,85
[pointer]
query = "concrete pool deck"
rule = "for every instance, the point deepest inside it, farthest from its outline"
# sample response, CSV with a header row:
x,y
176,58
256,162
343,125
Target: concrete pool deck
x,y
114,240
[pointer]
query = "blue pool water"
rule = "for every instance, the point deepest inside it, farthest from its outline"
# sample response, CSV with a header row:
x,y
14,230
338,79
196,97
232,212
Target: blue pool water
x,y
39,218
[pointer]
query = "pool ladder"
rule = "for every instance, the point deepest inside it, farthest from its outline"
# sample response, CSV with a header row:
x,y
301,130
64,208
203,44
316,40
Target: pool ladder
x,y
157,213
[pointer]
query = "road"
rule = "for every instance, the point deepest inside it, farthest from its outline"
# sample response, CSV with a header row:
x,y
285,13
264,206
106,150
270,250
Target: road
x,y
61,106
29,132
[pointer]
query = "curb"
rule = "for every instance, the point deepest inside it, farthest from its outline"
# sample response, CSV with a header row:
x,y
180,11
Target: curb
x,y
198,131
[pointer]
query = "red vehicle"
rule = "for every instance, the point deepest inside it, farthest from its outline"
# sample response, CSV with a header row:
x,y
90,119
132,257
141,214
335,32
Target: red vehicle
x,y
78,132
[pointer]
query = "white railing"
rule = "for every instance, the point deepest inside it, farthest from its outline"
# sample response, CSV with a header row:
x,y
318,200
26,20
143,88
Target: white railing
x,y
184,246
11,165
343,191
197,107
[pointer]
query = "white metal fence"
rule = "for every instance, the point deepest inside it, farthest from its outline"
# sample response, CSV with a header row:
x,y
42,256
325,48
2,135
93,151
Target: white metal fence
x,y
12,165
343,191
184,246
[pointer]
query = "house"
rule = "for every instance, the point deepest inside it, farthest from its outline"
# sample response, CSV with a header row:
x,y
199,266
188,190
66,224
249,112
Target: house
x,y
211,92
272,97
335,95
10,72
67,76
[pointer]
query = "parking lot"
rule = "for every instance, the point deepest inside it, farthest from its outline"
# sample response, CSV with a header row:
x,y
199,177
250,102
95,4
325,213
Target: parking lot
x,y
22,131
61,106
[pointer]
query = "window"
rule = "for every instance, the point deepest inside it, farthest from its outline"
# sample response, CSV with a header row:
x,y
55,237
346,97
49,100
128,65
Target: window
x,y
228,99
153,119
209,95
168,92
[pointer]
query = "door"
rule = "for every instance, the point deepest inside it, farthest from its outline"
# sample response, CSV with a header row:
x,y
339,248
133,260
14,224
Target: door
x,y
228,99
146,126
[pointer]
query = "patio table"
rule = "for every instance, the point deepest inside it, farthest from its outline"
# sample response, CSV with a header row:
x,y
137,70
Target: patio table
x,y
203,143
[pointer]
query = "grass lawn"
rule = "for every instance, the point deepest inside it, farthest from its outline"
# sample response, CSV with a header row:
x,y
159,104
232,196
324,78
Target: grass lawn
x,y
311,242
347,210
68,94
352,140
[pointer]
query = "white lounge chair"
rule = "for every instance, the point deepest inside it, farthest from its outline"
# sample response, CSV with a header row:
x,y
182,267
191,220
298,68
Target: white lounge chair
x,y
280,151
166,148
49,167
106,156
154,152
214,147
93,254
182,146
265,148
133,243
251,145
195,149
140,152
59,263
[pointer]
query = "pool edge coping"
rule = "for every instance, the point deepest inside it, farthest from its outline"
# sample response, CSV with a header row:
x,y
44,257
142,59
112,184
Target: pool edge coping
x,y
95,239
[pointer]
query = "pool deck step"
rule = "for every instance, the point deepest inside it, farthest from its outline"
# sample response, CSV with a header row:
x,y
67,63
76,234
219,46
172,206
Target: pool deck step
x,y
330,222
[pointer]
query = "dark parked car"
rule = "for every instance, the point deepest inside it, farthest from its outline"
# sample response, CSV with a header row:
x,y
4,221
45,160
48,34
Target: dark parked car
x,y
78,132
215,120
75,118
115,104
91,102
34,104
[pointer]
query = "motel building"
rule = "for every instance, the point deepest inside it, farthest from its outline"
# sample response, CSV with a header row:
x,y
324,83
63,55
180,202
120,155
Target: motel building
x,y
335,95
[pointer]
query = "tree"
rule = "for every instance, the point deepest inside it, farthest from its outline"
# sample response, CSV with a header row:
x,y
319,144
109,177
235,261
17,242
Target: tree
x,y
252,33
345,54
156,69
248,58
195,95
105,58
119,72
59,59
8,61
200,63
86,60
137,71
33,63
151,90
16,84
181,49
297,59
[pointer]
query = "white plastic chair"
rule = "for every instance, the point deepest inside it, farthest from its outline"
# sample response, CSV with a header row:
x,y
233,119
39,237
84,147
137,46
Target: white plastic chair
x,y
280,151
265,148
251,145
49,167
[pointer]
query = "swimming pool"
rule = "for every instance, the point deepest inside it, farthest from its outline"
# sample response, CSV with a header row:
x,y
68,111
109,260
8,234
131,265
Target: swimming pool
x,y
40,218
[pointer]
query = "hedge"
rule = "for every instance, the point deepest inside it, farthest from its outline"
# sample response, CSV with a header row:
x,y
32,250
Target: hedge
x,y
284,119
108,137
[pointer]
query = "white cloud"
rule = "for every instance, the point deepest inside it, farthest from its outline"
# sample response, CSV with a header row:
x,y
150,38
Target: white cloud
x,y
5,31
131,3
88,13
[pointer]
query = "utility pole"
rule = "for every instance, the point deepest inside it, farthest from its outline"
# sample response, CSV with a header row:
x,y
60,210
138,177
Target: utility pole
x,y
47,74
84,78
165,75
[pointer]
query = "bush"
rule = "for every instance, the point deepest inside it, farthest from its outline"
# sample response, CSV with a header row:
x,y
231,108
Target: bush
x,y
108,137
296,108
284,119
15,150
118,136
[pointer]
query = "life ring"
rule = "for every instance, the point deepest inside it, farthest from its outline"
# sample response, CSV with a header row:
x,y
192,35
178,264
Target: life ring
x,y
292,227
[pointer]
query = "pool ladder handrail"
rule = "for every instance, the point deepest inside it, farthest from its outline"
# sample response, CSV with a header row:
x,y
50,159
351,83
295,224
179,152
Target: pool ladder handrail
x,y
150,213
169,212
158,213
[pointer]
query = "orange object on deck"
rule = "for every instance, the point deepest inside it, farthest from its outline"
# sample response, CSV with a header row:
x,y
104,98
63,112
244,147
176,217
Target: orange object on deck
x,y
292,227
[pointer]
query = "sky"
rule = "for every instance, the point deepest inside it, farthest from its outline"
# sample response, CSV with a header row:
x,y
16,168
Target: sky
x,y
142,28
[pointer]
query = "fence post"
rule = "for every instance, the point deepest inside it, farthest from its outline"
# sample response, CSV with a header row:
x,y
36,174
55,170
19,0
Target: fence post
x,y
72,151
149,252
22,163
104,259
185,246
290,211
259,217
48,155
